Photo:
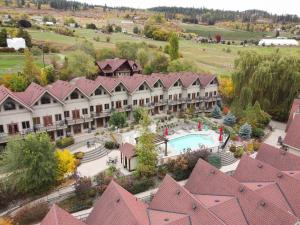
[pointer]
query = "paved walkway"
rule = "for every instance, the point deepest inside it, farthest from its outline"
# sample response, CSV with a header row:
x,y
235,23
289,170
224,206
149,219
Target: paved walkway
x,y
278,130
92,168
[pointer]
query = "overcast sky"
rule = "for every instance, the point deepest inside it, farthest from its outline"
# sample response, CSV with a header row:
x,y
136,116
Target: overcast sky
x,y
273,6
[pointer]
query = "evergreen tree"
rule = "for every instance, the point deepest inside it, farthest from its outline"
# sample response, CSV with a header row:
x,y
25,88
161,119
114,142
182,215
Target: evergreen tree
x,y
216,113
245,131
145,148
229,119
3,37
174,46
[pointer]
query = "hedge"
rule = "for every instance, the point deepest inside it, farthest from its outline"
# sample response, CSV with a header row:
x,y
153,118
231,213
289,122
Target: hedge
x,y
65,142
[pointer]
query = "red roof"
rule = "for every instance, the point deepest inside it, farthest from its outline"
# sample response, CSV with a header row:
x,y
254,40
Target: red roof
x,y
284,191
117,206
292,138
58,216
172,197
128,150
294,109
207,180
111,65
278,158
167,218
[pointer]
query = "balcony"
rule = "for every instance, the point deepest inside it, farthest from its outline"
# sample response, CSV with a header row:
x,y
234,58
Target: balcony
x,y
57,126
175,102
160,103
104,113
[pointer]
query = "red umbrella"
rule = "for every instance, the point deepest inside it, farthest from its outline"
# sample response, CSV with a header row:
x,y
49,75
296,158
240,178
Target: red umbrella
x,y
166,132
221,130
221,137
199,126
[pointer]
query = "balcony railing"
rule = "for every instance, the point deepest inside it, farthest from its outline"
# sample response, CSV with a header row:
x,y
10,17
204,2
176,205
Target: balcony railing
x,y
57,126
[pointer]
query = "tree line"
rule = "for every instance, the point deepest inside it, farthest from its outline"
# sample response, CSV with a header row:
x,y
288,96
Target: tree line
x,y
212,16
64,4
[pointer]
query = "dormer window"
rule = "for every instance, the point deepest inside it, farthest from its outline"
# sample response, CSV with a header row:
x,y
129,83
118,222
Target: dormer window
x,y
118,89
9,105
156,85
177,84
195,83
45,100
74,95
141,88
98,91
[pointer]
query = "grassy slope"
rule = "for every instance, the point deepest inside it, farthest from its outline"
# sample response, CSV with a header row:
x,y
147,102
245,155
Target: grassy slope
x,y
208,57
227,34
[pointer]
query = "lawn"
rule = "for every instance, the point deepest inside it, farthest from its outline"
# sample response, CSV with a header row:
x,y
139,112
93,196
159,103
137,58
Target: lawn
x,y
13,62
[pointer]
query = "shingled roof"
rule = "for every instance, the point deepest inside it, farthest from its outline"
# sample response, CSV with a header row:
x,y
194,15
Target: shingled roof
x,y
292,137
128,150
206,180
117,206
294,109
58,216
278,158
279,188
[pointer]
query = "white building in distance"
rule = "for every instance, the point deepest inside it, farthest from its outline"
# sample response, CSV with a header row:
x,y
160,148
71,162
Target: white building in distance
x,y
16,43
278,42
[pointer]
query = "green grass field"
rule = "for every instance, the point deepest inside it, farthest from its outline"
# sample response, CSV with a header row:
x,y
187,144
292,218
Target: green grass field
x,y
212,58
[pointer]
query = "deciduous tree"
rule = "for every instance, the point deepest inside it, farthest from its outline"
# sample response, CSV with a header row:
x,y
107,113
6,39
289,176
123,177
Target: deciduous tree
x,y
66,163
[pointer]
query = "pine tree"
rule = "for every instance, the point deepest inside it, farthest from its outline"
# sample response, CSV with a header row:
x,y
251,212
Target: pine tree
x,y
229,119
216,113
245,131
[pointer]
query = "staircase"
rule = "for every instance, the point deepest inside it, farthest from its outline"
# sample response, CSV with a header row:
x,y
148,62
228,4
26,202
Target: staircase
x,y
94,154
227,158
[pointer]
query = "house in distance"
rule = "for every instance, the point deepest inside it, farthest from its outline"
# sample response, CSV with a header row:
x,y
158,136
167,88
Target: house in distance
x,y
118,67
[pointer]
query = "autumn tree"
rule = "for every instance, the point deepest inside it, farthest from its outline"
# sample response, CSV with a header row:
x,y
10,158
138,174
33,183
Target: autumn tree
x,y
145,148
66,163
80,63
6,221
30,69
142,57
226,88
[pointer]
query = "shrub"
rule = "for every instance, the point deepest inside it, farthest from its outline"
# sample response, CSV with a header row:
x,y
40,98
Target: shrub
x,y
229,119
91,26
31,214
216,113
82,187
245,131
111,145
239,152
256,145
215,160
36,51
141,185
65,142
232,148
64,31
79,155
257,132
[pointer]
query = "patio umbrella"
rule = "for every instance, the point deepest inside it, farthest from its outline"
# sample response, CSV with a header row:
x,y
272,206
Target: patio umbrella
x,y
199,126
221,137
221,130
166,132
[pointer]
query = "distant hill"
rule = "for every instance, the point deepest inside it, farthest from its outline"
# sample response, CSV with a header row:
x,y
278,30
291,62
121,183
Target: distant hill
x,y
55,4
211,16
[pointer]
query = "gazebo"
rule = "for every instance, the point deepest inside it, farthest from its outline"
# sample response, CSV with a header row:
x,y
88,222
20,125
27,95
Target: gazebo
x,y
128,156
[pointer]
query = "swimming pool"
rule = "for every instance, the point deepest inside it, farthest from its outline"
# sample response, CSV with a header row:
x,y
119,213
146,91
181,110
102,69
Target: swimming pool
x,y
191,141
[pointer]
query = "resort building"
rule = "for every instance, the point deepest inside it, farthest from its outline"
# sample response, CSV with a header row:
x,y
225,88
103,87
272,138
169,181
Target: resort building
x,y
69,108
118,67
257,194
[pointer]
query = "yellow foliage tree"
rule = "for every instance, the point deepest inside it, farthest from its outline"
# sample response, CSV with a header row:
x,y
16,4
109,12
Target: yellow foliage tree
x,y
226,88
66,163
6,221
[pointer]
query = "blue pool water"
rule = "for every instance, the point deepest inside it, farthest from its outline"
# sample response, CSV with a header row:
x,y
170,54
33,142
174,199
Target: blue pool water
x,y
190,141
